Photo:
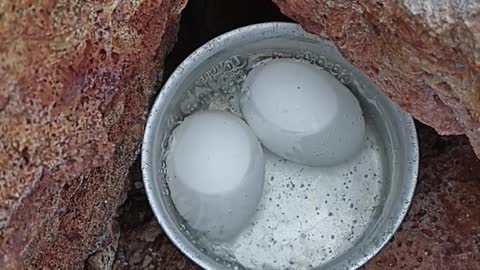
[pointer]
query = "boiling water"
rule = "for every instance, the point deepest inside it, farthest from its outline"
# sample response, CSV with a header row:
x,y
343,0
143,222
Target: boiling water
x,y
307,217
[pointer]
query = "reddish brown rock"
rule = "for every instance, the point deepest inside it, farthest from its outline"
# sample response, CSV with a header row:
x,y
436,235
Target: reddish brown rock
x,y
76,78
425,55
442,229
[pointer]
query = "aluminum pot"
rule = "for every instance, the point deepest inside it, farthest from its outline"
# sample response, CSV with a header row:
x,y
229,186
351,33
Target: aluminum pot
x,y
396,130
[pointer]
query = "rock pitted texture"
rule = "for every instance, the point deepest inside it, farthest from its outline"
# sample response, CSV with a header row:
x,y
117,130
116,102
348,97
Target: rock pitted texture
x,y
425,55
442,229
76,78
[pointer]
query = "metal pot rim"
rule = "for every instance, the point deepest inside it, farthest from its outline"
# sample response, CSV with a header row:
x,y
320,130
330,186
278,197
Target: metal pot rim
x,y
258,31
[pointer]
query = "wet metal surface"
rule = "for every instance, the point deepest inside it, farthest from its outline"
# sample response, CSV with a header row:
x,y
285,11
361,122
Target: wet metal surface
x,y
397,173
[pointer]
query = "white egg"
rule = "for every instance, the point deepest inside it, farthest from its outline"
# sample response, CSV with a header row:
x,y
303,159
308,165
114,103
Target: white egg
x,y
303,113
216,172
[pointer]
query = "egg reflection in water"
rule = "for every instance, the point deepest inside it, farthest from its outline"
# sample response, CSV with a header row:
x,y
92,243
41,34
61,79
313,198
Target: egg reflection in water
x,y
216,173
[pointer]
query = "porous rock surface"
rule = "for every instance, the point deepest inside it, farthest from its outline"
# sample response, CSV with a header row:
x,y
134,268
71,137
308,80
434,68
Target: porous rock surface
x,y
76,80
424,54
441,230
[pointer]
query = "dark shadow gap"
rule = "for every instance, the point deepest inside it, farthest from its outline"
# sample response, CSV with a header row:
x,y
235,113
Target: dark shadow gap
x,y
203,20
